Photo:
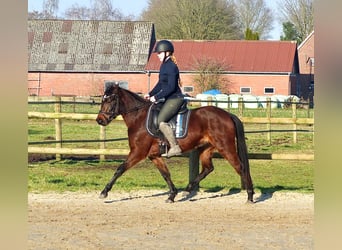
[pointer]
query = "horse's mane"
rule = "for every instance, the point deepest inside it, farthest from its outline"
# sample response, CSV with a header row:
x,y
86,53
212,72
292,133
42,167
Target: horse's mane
x,y
114,88
135,96
132,100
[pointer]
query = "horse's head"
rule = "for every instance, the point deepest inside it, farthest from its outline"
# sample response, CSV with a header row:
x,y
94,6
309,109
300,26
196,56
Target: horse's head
x,y
118,101
109,104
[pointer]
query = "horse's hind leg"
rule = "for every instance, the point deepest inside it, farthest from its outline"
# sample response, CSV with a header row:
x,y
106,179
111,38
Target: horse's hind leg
x,y
205,155
233,158
164,171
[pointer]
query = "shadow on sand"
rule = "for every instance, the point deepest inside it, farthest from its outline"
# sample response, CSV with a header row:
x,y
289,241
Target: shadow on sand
x,y
137,197
266,193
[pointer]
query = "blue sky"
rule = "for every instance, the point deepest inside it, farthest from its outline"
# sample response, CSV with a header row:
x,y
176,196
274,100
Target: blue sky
x,y
125,6
135,7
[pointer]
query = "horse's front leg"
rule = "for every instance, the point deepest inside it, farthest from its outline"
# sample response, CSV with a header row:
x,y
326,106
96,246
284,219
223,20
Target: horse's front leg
x,y
120,170
133,158
164,171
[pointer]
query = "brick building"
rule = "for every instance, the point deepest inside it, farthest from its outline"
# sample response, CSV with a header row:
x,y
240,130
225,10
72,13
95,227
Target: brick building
x,y
72,57
69,57
250,67
306,57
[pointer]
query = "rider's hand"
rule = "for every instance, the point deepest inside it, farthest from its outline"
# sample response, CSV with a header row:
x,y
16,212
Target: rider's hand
x,y
153,99
147,96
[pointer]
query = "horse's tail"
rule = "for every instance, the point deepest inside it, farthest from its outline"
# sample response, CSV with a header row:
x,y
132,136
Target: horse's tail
x,y
241,143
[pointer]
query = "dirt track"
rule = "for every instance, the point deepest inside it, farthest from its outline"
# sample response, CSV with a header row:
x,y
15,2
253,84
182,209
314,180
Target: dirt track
x,y
142,220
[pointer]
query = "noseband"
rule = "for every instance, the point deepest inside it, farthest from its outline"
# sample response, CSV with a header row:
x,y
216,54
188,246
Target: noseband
x,y
111,113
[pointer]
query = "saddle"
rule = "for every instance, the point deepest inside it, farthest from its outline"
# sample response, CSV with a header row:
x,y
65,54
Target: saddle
x,y
178,123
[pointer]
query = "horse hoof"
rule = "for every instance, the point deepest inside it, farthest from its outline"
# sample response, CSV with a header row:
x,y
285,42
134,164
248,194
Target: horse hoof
x,y
250,202
103,195
169,201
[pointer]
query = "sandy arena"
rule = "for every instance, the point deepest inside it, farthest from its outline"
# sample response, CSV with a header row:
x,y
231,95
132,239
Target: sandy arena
x,y
142,220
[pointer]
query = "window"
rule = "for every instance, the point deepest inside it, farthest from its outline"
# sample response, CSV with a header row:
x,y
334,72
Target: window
x,y
122,84
245,90
188,89
268,90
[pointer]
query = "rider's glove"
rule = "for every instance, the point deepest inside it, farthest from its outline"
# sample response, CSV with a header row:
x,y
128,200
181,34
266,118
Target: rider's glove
x,y
153,99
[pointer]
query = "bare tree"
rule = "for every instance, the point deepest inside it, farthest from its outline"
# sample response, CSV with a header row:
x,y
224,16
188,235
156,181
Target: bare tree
x,y
188,19
104,10
99,10
77,12
35,14
300,13
50,8
210,75
255,16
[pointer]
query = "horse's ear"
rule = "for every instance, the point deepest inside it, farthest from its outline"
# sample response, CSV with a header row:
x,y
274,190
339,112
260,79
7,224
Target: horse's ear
x,y
110,84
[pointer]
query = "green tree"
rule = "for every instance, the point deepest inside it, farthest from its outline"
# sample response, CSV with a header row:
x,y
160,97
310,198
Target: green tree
x,y
301,14
250,35
290,32
189,19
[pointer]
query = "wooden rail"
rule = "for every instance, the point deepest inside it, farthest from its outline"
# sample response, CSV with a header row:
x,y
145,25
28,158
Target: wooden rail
x,y
77,151
124,152
58,116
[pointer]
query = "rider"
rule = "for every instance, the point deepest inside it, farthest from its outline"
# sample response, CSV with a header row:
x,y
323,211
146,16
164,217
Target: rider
x,y
168,89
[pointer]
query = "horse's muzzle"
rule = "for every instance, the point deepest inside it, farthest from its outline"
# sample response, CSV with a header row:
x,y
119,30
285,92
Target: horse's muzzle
x,y
102,120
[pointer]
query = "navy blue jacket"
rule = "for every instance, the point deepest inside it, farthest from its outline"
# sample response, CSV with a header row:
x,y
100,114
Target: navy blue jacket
x,y
167,85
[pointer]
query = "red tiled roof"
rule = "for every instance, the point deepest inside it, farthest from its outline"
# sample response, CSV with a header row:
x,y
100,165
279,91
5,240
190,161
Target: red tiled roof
x,y
237,55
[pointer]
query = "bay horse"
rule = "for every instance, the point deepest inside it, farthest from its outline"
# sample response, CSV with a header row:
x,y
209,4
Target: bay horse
x,y
210,128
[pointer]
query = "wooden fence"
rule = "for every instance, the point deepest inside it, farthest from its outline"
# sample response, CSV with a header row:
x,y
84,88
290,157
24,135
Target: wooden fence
x,y
58,150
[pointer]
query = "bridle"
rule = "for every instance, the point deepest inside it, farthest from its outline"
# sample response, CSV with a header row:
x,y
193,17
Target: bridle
x,y
113,113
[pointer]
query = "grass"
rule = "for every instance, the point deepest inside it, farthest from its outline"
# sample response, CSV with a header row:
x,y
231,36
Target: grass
x,y
40,130
92,175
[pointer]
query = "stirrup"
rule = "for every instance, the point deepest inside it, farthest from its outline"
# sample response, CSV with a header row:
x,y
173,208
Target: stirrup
x,y
177,151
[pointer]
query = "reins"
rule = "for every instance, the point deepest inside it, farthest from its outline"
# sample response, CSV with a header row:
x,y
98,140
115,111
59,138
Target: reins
x,y
117,112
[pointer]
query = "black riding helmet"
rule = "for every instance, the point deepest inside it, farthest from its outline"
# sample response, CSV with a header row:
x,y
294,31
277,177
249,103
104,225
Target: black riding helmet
x,y
163,46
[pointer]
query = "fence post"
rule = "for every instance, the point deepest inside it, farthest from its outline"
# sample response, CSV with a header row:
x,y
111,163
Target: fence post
x,y
228,105
268,114
74,103
294,116
194,167
210,101
102,143
240,107
58,126
313,134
